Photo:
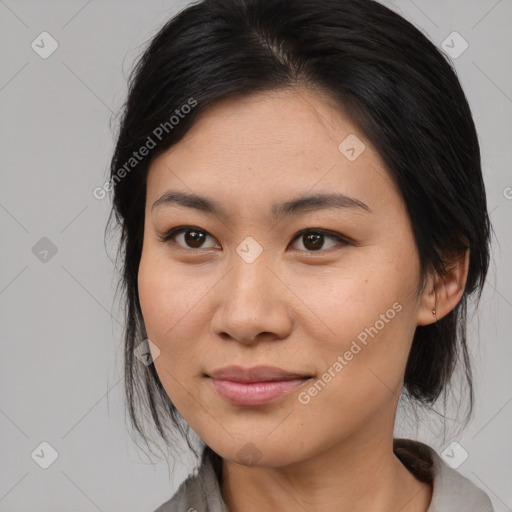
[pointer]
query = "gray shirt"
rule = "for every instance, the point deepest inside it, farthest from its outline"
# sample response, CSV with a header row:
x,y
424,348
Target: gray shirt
x,y
452,492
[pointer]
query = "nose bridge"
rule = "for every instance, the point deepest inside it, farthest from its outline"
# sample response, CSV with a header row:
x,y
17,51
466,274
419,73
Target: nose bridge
x,y
250,302
250,276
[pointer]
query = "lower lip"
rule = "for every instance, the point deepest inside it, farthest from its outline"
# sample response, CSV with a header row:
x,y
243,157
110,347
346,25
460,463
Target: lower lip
x,y
255,393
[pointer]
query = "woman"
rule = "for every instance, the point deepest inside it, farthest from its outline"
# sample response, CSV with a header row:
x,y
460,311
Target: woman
x,y
303,217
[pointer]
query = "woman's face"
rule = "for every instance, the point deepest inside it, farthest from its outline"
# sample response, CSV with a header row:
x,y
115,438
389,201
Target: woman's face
x,y
240,286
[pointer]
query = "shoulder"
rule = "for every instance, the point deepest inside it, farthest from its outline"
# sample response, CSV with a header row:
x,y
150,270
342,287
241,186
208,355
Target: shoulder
x,y
200,492
451,490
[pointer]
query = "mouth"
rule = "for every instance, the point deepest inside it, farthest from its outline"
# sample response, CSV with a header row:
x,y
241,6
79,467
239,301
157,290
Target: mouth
x,y
255,386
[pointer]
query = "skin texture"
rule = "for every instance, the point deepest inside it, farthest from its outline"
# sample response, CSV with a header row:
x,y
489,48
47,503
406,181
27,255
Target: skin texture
x,y
205,307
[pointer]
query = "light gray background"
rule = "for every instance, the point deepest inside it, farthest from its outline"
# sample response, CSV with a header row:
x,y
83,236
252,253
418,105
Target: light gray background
x,y
61,347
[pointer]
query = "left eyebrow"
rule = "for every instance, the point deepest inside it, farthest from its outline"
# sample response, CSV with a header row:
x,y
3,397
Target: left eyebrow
x,y
318,202
301,204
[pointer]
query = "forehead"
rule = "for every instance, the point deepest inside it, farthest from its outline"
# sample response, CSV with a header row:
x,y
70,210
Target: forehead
x,y
277,144
284,123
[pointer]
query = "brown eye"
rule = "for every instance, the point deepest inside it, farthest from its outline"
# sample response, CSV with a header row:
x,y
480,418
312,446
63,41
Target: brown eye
x,y
193,238
188,238
314,240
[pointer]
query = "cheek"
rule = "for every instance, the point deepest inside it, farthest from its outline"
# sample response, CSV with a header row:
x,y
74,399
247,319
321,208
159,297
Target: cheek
x,y
167,296
367,323
353,297
174,304
167,306
154,302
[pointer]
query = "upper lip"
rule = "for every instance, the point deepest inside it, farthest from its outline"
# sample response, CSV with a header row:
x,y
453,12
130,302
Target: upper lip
x,y
255,374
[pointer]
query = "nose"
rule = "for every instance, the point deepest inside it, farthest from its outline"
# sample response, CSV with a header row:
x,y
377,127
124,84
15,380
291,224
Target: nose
x,y
253,303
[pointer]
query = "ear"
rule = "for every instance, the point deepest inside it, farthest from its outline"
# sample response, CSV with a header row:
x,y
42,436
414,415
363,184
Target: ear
x,y
443,293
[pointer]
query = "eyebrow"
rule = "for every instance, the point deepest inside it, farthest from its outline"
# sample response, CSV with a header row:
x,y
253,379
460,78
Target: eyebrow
x,y
304,203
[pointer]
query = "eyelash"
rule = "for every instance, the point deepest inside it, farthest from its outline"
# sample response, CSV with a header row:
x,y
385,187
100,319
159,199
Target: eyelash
x,y
172,233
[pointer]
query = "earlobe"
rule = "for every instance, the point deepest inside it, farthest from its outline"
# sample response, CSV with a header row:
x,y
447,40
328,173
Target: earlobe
x,y
443,293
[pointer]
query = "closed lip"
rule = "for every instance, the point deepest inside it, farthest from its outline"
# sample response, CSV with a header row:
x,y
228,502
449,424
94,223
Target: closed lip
x,y
255,374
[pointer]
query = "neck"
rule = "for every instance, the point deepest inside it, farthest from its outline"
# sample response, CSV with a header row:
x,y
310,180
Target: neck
x,y
356,475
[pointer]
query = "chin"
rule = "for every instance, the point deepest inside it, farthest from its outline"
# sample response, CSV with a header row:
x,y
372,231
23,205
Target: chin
x,y
255,452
